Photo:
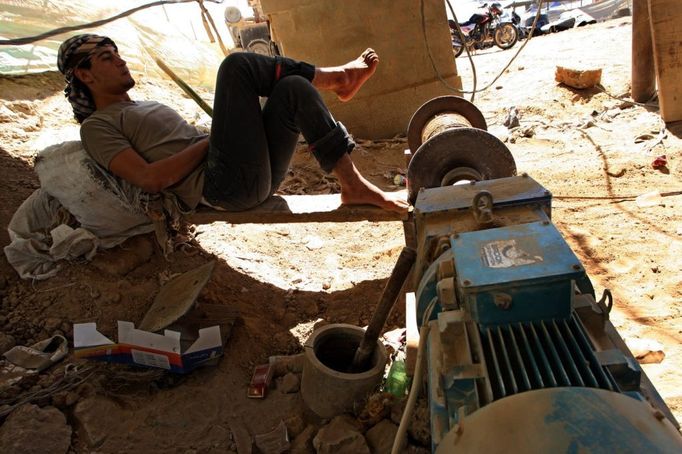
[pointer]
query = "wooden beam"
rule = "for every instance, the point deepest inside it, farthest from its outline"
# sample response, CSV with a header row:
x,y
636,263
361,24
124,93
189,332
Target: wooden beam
x,y
666,17
297,208
643,73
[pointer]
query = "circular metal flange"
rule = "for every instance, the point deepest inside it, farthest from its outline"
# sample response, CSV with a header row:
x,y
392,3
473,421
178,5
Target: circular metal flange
x,y
456,155
437,106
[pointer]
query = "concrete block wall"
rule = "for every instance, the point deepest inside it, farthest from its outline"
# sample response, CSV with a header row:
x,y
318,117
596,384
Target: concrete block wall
x,y
332,32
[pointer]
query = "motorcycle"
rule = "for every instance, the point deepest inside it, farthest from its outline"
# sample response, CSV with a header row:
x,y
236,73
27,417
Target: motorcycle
x,y
484,30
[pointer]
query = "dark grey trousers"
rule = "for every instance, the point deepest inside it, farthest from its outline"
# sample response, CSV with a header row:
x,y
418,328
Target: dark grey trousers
x,y
250,149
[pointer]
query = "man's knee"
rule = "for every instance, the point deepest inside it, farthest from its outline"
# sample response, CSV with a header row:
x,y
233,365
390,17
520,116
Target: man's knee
x,y
234,62
296,85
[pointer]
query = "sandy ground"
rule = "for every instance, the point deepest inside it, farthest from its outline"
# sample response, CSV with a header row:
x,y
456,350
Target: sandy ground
x,y
592,151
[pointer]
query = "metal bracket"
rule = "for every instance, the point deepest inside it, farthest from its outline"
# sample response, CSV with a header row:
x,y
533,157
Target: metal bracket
x,y
482,208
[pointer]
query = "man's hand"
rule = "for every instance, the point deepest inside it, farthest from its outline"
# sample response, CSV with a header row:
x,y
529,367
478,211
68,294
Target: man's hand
x,y
157,176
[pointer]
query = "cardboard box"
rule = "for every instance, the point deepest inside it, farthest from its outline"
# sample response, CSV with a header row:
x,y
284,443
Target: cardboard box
x,y
134,346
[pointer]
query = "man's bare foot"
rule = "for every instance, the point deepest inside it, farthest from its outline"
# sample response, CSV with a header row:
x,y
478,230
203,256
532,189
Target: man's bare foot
x,y
368,194
356,190
346,80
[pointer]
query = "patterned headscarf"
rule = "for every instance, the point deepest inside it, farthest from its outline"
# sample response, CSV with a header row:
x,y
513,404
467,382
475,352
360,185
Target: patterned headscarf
x,y
72,53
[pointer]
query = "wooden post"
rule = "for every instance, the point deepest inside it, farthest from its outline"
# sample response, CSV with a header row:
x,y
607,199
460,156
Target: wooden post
x,y
666,39
643,74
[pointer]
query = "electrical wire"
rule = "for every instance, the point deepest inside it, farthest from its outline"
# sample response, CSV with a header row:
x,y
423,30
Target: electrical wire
x,y
58,31
473,66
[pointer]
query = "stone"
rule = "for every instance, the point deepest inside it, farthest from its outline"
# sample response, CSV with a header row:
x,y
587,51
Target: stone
x,y
96,417
120,261
340,436
380,437
646,351
6,342
303,442
419,428
289,384
31,429
295,425
51,324
578,78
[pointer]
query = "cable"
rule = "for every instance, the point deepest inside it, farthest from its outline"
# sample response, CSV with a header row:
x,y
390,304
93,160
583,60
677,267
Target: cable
x,y
459,30
414,391
58,31
433,63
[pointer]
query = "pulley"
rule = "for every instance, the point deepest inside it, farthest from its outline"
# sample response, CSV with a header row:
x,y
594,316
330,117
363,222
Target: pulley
x,y
449,134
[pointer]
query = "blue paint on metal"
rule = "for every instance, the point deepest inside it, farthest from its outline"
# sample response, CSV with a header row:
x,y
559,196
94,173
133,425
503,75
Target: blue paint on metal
x,y
594,426
529,264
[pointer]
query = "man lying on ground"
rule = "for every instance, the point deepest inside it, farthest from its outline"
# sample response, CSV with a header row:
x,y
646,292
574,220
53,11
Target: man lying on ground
x,y
248,152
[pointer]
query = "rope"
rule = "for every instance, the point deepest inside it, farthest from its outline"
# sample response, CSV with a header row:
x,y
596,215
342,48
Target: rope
x,y
59,31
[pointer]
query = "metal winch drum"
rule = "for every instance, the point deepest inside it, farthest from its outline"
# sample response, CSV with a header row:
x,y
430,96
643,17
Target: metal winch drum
x,y
452,146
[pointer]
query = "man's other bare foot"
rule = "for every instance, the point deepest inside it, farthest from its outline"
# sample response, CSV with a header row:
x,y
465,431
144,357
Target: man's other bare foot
x,y
346,80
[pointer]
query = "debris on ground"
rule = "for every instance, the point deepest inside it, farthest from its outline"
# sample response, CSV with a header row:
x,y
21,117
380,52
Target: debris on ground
x,y
578,78
646,351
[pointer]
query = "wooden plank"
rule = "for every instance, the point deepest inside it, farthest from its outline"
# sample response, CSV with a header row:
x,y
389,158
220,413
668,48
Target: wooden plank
x,y
643,72
297,208
666,34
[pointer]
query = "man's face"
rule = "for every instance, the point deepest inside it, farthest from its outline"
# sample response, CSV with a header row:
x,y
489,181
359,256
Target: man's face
x,y
108,73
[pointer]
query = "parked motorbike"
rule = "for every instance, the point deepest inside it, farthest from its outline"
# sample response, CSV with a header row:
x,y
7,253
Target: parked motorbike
x,y
484,30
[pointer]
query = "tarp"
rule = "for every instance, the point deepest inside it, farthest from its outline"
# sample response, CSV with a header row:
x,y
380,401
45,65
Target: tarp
x,y
174,32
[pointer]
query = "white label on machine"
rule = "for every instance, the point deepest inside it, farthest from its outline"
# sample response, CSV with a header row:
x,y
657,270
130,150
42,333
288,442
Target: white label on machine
x,y
505,254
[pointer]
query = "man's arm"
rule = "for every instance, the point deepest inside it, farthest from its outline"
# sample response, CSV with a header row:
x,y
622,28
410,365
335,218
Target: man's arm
x,y
157,176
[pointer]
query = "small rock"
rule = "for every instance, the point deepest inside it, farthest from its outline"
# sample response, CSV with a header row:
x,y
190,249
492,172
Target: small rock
x,y
512,120
646,351
309,307
380,437
71,398
326,285
31,429
97,418
578,78
295,425
65,327
113,298
314,243
120,261
289,384
340,436
6,342
303,442
51,324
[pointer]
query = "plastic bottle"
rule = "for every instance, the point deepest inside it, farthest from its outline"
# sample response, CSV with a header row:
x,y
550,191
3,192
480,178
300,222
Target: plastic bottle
x,y
397,380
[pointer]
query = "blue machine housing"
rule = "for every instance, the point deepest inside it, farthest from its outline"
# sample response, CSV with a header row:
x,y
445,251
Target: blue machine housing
x,y
510,311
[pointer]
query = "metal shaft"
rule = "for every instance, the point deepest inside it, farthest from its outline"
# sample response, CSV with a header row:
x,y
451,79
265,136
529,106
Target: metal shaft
x,y
388,297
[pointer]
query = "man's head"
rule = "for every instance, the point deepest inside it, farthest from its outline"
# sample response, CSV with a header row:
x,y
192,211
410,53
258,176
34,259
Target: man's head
x,y
92,67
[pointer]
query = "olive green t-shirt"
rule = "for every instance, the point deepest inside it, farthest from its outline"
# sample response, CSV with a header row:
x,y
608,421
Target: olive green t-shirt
x,y
153,130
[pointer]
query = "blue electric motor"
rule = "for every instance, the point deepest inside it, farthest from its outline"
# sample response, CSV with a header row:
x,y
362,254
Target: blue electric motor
x,y
521,355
